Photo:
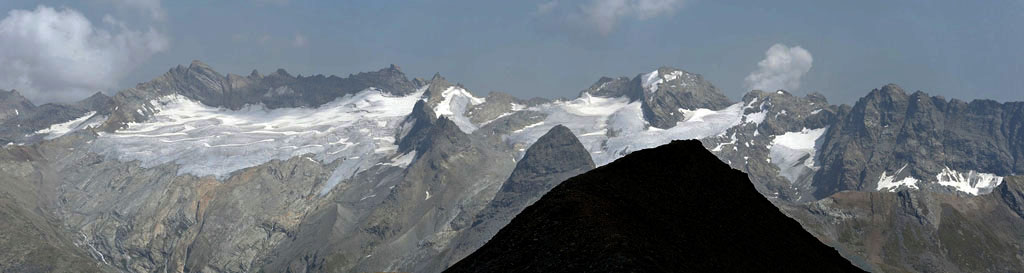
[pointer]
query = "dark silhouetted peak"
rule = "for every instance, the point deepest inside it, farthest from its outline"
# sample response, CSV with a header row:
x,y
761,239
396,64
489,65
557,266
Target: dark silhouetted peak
x,y
674,208
415,126
553,158
255,75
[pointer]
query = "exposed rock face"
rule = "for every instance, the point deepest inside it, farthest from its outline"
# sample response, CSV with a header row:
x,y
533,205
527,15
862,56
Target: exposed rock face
x,y
390,219
664,93
921,231
415,127
32,239
13,104
447,182
889,130
498,105
671,208
555,157
25,119
615,87
200,82
750,146
667,90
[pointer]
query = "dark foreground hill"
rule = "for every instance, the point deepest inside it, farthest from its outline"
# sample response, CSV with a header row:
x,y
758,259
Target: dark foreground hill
x,y
675,208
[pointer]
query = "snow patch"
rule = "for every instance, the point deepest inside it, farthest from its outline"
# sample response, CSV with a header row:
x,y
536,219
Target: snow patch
x,y
889,182
60,129
755,118
697,115
794,152
971,182
615,126
651,81
454,104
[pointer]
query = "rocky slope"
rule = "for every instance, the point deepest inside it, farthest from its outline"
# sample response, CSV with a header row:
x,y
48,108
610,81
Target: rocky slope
x,y
921,231
555,157
666,209
201,171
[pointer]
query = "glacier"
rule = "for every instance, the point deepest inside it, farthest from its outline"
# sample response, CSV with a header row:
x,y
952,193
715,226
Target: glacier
x,y
358,129
793,152
611,127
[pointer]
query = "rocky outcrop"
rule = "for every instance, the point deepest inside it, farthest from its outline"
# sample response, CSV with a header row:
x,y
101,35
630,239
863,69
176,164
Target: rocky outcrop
x,y
32,239
664,93
667,91
388,218
25,118
13,104
280,89
922,231
555,157
889,130
671,208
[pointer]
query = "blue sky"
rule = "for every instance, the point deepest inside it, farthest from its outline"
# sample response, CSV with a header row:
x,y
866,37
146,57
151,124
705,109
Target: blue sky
x,y
957,49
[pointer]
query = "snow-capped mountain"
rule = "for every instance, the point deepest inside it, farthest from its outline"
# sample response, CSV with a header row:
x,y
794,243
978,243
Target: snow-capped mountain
x,y
199,171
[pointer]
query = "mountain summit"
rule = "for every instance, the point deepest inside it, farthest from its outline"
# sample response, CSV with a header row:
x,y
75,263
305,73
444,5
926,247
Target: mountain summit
x,y
667,209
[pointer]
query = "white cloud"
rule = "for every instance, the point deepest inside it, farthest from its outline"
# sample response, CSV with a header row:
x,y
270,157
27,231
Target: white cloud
x,y
299,40
781,68
150,7
59,55
603,15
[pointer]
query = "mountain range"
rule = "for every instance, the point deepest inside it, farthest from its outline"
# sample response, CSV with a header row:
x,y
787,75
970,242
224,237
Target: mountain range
x,y
196,171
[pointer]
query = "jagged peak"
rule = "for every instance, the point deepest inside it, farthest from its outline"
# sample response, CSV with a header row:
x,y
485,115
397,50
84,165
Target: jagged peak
x,y
198,64
437,77
415,126
282,72
558,144
255,74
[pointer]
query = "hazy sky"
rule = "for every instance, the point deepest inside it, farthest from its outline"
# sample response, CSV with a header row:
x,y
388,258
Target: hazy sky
x,y
64,50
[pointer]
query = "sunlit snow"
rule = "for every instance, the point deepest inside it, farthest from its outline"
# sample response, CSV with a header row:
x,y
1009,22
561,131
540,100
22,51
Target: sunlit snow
x,y
456,101
357,129
889,182
60,129
971,182
793,152
612,127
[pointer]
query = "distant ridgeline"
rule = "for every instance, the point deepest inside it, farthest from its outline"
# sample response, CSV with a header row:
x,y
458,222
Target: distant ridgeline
x,y
200,171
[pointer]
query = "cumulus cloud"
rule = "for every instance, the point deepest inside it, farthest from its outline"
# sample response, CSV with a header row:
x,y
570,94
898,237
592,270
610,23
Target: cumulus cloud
x,y
59,55
603,15
781,68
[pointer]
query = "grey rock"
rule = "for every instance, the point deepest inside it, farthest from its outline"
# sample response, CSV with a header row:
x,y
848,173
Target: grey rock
x,y
687,91
889,128
553,158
